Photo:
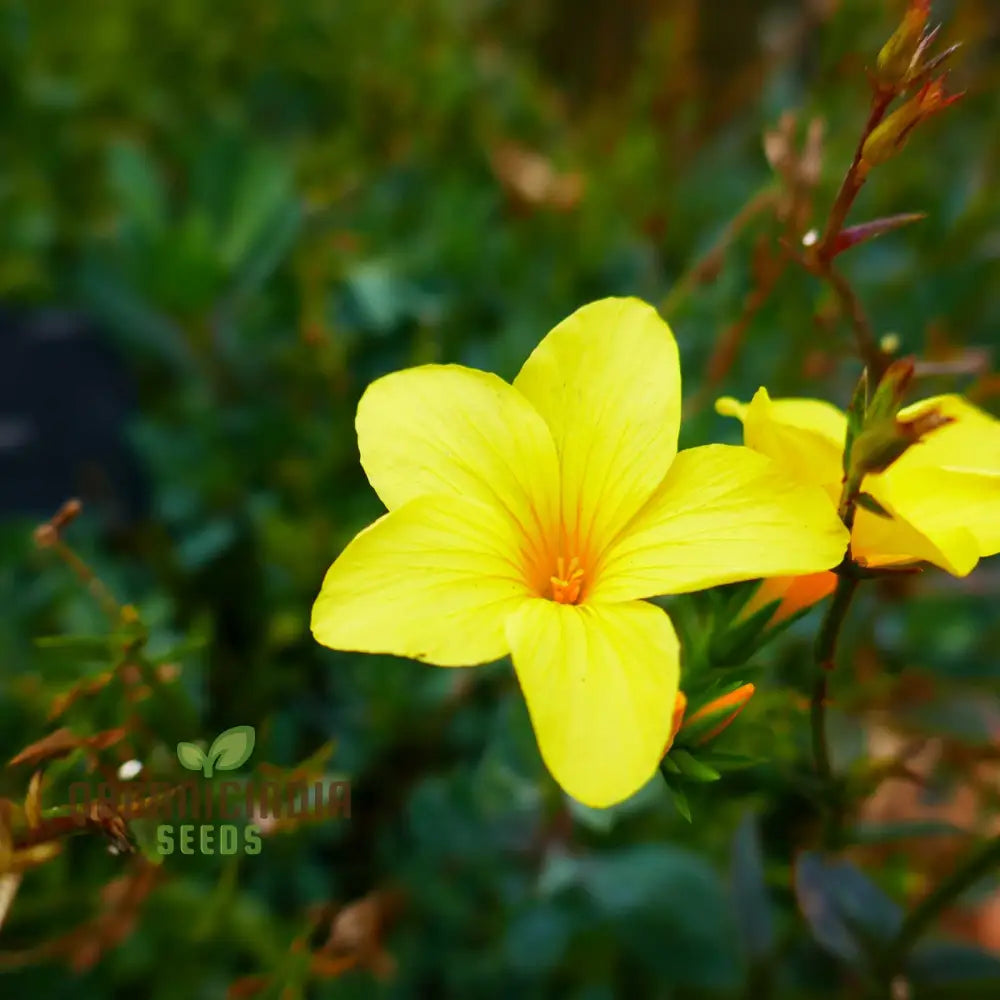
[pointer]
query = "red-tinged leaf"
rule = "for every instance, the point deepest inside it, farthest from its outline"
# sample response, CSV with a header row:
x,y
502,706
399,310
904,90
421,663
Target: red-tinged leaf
x,y
248,986
57,744
325,966
9,884
65,741
865,231
33,801
61,703
103,740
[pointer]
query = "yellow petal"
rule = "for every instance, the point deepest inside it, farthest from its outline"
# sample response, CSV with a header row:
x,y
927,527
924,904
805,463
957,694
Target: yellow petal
x,y
449,430
722,514
896,541
607,382
948,485
433,580
806,436
600,683
971,444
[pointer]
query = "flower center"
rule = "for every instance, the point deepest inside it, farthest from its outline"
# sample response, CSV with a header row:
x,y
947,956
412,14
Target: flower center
x,y
567,581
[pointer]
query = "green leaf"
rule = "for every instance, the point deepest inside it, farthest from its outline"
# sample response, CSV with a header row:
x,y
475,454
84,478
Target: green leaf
x,y
191,756
869,503
232,748
958,970
138,187
262,188
857,411
78,643
668,766
723,761
741,638
848,914
692,768
752,905
680,801
670,909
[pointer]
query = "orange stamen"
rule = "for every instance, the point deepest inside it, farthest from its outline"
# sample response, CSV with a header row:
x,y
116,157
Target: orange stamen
x,y
567,583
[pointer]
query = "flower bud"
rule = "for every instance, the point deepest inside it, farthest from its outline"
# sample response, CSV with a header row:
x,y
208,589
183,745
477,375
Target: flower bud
x,y
680,707
895,65
713,718
892,388
887,440
890,136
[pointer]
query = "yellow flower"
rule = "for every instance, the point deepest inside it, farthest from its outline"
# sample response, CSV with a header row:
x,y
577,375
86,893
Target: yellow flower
x,y
943,494
533,518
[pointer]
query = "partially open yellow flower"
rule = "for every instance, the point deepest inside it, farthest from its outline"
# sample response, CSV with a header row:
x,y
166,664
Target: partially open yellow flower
x,y
532,519
943,494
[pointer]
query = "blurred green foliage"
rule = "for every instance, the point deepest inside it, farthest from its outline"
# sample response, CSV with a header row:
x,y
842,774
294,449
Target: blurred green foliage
x,y
266,206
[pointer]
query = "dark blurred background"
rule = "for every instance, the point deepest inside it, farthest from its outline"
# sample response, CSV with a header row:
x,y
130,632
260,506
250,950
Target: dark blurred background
x,y
218,223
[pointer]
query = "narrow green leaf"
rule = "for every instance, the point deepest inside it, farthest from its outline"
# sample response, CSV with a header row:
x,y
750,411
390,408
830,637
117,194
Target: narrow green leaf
x,y
692,768
668,766
753,908
737,642
680,802
856,412
869,503
721,761
849,915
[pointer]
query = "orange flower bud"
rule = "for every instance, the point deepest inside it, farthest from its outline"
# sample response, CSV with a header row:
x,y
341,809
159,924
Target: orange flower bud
x,y
680,707
794,592
718,714
896,60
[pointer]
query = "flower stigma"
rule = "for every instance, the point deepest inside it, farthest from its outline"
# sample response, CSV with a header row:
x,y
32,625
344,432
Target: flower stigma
x,y
567,582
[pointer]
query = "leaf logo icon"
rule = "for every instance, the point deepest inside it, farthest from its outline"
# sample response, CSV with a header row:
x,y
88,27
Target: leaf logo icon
x,y
229,750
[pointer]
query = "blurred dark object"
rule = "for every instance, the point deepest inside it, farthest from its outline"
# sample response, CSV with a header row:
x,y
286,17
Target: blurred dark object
x,y
64,401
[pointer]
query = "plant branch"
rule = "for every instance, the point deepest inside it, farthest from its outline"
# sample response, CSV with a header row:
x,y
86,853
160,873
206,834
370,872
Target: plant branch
x,y
707,266
825,651
819,258
920,919
853,180
873,356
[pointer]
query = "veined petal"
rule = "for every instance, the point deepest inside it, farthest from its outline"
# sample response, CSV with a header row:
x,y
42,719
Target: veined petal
x,y
600,683
971,444
722,514
948,485
805,436
433,580
449,430
934,535
607,382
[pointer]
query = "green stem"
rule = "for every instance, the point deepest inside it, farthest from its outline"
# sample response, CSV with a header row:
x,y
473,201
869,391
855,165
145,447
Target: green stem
x,y
871,353
825,651
920,919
